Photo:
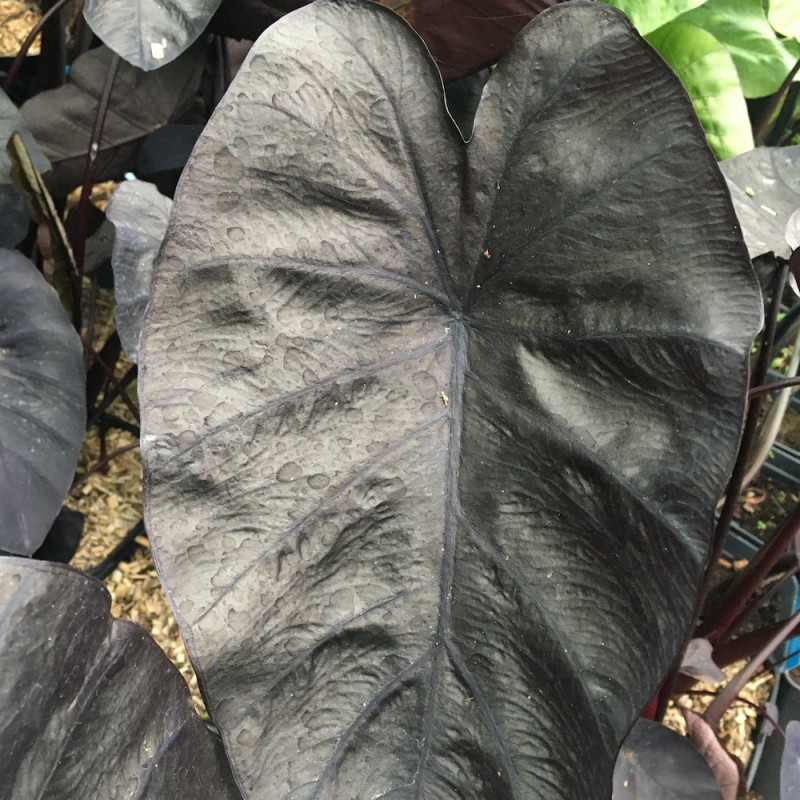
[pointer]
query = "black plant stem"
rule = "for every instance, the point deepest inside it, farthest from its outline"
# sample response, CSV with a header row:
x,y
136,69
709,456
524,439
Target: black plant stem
x,y
759,602
26,45
104,364
111,395
53,61
748,436
714,712
769,388
82,226
112,379
760,129
121,552
102,464
747,582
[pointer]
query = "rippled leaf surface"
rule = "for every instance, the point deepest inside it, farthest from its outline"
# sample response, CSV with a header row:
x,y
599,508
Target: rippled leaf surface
x,y
434,432
42,404
91,706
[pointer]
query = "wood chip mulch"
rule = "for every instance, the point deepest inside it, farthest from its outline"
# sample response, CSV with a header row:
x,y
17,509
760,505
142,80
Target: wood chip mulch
x,y
16,22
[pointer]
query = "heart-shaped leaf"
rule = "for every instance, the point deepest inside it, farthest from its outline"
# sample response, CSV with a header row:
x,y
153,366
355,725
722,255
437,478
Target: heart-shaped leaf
x,y
765,187
62,119
149,33
655,763
91,706
42,404
434,432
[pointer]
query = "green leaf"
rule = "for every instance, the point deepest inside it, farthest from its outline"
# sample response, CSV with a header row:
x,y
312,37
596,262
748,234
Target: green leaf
x,y
784,16
709,76
762,60
647,17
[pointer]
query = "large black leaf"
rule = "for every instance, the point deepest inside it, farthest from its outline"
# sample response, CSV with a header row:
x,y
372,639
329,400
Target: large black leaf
x,y
433,432
62,119
91,707
149,33
42,404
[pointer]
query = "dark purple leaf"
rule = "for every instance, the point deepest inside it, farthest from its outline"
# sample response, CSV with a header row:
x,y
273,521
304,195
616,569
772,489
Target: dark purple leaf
x,y
462,35
656,763
42,404
149,33
62,119
790,762
91,706
431,456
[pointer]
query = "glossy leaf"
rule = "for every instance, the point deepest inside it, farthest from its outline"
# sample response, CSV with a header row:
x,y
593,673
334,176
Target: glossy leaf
x,y
42,406
647,17
765,187
761,59
139,213
91,706
430,473
656,763
148,33
710,77
62,119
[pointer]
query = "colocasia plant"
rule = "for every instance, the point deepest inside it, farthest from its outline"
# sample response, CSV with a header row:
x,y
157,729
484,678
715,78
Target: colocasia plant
x,y
434,425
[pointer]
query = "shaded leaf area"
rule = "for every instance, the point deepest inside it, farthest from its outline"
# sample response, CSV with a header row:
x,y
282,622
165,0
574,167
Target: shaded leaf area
x,y
42,404
765,187
430,471
105,714
656,763
149,33
462,35
62,119
139,213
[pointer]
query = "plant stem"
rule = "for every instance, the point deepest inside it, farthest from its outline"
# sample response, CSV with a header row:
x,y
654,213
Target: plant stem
x,y
775,386
747,582
26,45
714,712
744,701
111,396
112,379
82,227
102,463
759,130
